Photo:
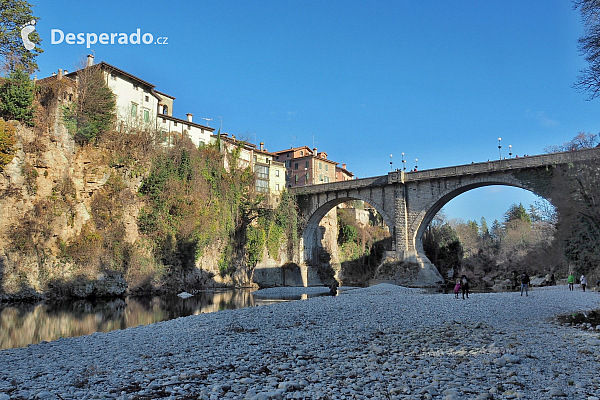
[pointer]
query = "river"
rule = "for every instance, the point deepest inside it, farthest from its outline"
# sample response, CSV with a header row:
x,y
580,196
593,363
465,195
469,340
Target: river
x,y
22,324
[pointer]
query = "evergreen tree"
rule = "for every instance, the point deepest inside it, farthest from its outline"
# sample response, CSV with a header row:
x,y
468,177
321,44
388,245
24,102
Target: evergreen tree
x,y
16,98
14,15
517,212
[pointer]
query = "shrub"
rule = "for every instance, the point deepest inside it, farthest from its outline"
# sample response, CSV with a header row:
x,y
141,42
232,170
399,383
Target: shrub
x,y
7,143
16,98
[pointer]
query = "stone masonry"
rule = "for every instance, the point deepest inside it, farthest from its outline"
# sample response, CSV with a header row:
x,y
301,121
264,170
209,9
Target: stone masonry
x,y
408,201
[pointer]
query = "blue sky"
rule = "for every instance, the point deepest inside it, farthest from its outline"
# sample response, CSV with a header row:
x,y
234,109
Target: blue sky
x,y
439,81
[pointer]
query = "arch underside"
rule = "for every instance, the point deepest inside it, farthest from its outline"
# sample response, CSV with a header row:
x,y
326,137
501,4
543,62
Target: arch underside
x,y
310,236
420,223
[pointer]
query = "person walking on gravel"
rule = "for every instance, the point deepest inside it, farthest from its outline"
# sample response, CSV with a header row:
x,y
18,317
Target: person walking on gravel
x,y
583,281
571,281
464,285
457,288
524,283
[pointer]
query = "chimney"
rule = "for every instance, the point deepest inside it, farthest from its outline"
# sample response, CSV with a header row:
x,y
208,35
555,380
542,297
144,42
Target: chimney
x,y
66,72
343,166
90,60
315,151
53,73
189,117
60,74
233,137
262,145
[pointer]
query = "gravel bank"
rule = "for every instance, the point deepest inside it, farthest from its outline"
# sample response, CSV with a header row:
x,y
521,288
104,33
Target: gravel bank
x,y
382,342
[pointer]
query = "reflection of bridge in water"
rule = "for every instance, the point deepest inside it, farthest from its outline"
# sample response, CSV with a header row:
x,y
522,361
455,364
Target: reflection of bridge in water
x,y
408,201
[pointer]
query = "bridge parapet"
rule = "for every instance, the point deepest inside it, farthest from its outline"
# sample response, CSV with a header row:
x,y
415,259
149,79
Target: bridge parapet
x,y
344,185
497,166
459,170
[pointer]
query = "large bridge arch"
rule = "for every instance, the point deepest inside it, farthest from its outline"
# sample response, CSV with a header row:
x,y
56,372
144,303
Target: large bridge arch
x,y
426,215
310,236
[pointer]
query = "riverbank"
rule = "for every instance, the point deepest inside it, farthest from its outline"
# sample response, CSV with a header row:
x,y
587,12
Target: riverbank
x,y
379,342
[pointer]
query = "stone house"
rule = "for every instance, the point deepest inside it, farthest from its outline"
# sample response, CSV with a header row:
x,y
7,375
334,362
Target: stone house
x,y
307,167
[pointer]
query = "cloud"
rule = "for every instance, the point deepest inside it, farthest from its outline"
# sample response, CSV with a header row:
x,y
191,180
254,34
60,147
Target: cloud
x,y
542,118
290,115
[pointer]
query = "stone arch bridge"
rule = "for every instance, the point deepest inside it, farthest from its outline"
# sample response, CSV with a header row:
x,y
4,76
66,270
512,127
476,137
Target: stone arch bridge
x,y
408,201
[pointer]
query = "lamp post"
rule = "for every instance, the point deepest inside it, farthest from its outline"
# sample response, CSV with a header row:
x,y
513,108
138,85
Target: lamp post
x,y
391,163
403,163
510,151
416,164
500,147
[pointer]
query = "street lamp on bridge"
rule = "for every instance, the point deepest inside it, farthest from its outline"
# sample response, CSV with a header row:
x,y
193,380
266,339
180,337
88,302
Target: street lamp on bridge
x,y
391,163
500,147
510,151
416,164
403,163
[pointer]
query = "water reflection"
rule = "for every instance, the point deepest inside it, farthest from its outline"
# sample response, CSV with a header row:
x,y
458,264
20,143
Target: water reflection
x,y
24,324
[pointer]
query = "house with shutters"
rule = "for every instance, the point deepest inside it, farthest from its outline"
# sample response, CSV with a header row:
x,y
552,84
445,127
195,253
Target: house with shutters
x,y
141,107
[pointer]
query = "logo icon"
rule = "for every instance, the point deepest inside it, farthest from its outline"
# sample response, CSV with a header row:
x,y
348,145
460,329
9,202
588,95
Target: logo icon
x,y
27,29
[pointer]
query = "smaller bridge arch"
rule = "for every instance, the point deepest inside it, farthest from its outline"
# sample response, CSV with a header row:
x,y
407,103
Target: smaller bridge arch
x,y
315,213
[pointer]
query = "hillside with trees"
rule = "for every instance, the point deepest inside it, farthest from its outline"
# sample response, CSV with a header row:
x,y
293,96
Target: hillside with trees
x,y
89,211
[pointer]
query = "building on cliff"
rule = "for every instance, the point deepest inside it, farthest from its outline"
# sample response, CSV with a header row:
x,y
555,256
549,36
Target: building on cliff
x,y
309,167
139,105
270,174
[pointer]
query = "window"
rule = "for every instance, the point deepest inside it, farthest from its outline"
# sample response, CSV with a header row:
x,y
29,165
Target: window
x,y
113,76
277,172
307,177
321,177
296,178
146,98
326,167
175,123
277,187
189,127
136,87
262,172
326,179
146,115
133,109
306,164
288,155
163,136
165,110
164,120
262,186
277,158
320,166
295,165
255,159
301,152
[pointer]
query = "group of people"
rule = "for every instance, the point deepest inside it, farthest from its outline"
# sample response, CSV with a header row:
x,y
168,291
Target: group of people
x,y
462,284
582,281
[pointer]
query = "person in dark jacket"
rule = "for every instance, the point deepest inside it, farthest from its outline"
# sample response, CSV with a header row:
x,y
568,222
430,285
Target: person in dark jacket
x,y
524,283
464,285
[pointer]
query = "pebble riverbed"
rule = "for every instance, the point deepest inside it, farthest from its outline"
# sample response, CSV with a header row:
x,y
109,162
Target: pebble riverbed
x,y
381,342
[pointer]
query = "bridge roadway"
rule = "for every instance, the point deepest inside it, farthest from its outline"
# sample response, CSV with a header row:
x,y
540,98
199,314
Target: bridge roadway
x,y
408,201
